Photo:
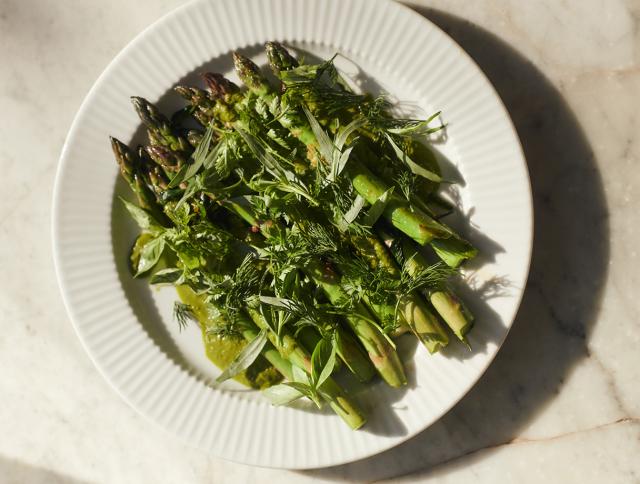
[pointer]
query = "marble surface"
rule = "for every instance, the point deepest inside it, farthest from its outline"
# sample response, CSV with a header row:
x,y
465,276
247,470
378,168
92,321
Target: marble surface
x,y
561,402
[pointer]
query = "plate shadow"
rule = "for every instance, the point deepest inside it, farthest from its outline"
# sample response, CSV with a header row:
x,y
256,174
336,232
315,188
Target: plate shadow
x,y
569,268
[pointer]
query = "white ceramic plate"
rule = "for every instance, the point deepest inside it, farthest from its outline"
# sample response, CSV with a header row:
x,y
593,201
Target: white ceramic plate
x,y
126,327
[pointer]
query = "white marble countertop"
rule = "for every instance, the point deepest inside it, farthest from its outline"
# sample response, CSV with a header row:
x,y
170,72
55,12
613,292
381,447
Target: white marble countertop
x,y
561,402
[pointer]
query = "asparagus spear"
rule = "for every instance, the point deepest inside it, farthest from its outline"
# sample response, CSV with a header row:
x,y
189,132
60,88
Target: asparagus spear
x,y
272,355
288,348
157,123
347,349
450,248
171,161
203,106
410,220
453,251
225,91
133,171
279,58
381,352
330,390
158,126
446,304
412,309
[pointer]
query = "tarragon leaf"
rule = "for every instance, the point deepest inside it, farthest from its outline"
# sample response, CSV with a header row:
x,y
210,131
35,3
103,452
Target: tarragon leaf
x,y
345,132
377,209
244,359
323,361
299,375
338,164
410,126
286,180
306,390
352,213
302,384
276,301
325,145
413,166
340,156
193,187
200,155
178,177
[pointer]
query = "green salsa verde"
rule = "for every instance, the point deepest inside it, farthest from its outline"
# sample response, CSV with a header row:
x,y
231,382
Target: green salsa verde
x,y
221,350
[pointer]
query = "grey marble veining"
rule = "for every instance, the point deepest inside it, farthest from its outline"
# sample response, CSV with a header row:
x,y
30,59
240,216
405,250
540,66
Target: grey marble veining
x,y
561,402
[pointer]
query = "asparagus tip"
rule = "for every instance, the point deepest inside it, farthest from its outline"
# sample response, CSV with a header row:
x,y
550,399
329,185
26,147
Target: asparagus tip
x,y
147,112
124,157
219,85
184,91
248,71
157,153
139,102
164,157
119,149
191,94
279,57
238,58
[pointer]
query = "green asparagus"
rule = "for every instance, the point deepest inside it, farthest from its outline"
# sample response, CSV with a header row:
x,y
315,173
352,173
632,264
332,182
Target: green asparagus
x,y
295,215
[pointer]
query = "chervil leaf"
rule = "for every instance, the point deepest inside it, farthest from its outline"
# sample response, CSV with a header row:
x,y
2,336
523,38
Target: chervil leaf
x,y
150,254
167,276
